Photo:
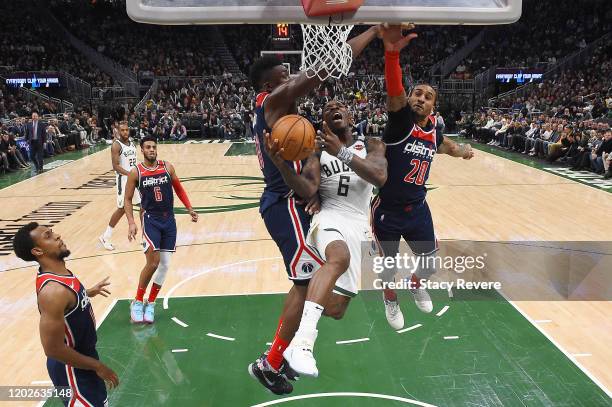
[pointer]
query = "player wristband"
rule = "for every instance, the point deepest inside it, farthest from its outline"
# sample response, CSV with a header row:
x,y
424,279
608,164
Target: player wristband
x,y
345,155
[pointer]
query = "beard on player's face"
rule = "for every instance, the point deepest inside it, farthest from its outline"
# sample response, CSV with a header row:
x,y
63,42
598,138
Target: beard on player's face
x,y
63,254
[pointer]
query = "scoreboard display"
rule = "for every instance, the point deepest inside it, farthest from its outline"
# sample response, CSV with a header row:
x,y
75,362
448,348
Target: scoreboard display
x,y
281,36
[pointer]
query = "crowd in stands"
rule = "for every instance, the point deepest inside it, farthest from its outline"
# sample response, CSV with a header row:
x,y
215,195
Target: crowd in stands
x,y
28,43
566,118
62,131
153,49
547,31
220,104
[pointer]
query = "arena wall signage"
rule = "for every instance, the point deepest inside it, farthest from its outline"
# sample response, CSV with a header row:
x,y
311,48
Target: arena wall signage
x,y
518,76
34,80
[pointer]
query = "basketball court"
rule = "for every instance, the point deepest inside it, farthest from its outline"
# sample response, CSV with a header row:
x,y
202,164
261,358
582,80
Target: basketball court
x,y
227,281
226,285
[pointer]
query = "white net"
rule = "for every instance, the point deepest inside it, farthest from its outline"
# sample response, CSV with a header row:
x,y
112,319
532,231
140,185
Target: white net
x,y
326,53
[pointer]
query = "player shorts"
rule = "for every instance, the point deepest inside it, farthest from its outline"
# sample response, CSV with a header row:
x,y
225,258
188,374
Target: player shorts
x,y
121,181
158,232
288,225
413,223
87,388
328,226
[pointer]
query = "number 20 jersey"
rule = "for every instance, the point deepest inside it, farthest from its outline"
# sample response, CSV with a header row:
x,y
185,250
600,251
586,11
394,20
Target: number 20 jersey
x,y
341,188
410,152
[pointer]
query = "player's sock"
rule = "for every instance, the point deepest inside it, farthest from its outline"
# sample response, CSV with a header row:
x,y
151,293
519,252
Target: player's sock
x,y
310,318
275,356
154,291
140,294
108,233
415,282
390,294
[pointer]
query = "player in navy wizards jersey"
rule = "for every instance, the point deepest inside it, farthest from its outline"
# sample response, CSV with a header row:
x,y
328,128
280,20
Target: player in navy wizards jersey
x,y
400,209
156,181
67,322
284,215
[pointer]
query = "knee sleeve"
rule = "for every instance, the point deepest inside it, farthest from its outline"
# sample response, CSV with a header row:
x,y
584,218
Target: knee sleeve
x,y
162,269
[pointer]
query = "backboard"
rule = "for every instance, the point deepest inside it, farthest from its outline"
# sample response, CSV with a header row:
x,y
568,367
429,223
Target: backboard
x,y
291,11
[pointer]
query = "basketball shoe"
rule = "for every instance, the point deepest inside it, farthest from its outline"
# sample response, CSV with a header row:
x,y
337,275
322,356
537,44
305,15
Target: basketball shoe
x,y
285,369
137,312
271,379
149,312
106,243
394,314
422,300
300,356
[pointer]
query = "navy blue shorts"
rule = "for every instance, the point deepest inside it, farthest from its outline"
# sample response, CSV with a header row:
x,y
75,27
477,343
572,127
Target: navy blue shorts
x,y
159,232
413,223
288,226
87,388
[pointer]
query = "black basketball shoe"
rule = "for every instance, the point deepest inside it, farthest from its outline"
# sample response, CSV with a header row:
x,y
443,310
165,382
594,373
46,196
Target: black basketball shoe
x,y
269,378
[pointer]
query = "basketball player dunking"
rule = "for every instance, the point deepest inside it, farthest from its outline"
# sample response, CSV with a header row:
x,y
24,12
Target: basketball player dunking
x,y
155,180
400,209
347,171
67,322
123,157
285,218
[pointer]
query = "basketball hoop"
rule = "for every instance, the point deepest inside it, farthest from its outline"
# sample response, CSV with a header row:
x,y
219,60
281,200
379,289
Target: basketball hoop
x,y
326,53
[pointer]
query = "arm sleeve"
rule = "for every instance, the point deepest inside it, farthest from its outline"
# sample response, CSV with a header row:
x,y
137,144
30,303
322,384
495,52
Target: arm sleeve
x,y
400,123
393,74
181,193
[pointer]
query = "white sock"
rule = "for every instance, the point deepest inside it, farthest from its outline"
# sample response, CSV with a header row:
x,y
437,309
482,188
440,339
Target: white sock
x,y
109,233
310,317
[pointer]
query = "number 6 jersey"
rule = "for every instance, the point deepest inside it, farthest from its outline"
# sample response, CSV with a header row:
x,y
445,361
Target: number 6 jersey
x,y
410,151
341,189
155,187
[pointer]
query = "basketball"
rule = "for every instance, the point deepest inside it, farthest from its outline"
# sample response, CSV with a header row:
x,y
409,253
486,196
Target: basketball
x,y
296,135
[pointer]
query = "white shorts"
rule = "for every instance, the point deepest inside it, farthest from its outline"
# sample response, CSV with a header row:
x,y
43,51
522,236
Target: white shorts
x,y
328,226
120,183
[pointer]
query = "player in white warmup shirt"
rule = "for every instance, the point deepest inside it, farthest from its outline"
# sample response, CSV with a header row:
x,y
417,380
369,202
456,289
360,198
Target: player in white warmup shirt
x,y
123,156
348,170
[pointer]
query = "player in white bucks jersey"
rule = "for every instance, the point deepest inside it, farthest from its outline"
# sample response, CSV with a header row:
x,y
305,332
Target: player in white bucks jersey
x,y
123,156
348,170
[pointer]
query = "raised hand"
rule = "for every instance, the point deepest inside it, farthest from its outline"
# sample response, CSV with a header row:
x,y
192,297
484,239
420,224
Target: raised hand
x,y
99,288
327,141
273,149
393,37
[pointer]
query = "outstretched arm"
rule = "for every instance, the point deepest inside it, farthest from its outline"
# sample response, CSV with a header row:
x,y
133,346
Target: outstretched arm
x,y
373,168
280,101
453,149
394,42
180,192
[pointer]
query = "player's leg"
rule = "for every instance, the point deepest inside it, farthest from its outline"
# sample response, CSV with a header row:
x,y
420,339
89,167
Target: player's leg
x,y
166,248
300,353
422,241
106,237
386,234
152,233
288,225
332,286
336,306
